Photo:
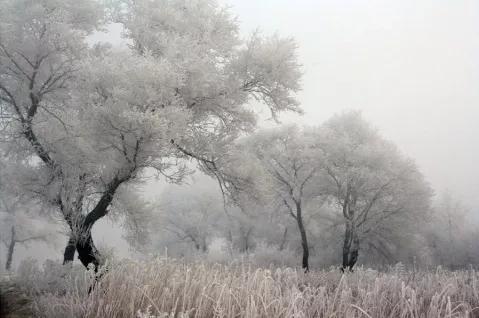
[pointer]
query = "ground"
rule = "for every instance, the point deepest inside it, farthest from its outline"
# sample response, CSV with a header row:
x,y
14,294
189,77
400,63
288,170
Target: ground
x,y
13,302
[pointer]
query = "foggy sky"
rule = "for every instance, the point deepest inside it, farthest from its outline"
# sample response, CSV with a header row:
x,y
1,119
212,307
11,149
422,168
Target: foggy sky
x,y
410,66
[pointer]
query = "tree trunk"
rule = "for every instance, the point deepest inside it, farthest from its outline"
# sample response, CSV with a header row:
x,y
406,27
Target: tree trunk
x,y
11,249
229,236
283,241
347,244
354,251
304,238
350,246
69,254
245,236
87,252
197,245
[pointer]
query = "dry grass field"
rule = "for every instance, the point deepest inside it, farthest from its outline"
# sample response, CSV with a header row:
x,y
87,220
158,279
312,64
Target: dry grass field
x,y
169,288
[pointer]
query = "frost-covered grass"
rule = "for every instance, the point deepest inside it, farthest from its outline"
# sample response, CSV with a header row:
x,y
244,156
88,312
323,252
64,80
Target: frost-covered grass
x,y
169,288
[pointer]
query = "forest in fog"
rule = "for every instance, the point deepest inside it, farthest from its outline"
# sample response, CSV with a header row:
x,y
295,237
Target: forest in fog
x,y
252,215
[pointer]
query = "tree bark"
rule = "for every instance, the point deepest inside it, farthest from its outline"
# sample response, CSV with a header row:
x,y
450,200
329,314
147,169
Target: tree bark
x,y
350,245
11,249
304,238
87,252
354,251
346,244
69,254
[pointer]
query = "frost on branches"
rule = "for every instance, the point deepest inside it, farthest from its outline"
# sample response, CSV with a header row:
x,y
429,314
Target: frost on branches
x,y
342,168
87,120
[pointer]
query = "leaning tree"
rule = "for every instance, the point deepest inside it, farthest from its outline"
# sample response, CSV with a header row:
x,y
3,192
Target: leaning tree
x,y
87,119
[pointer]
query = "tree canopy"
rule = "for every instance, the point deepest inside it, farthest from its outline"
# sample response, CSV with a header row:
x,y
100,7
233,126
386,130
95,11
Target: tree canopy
x,y
95,117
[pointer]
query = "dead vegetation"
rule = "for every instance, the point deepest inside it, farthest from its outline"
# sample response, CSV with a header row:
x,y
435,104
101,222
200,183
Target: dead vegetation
x,y
168,288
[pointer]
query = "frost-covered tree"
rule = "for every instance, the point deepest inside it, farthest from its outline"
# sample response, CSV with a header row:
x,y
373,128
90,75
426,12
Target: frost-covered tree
x,y
190,216
20,225
137,217
21,219
451,233
88,120
281,167
41,45
375,187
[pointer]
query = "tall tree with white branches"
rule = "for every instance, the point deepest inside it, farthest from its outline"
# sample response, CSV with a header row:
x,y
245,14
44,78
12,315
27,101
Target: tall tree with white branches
x,y
371,182
96,118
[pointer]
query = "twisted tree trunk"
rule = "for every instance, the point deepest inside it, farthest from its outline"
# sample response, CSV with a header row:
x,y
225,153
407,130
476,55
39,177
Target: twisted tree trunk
x,y
87,251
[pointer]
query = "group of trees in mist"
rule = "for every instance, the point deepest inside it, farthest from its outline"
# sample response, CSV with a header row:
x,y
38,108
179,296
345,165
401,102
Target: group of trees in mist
x,y
342,165
82,125
337,191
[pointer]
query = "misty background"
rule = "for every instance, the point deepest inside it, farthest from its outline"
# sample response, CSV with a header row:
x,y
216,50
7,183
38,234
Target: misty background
x,y
411,68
